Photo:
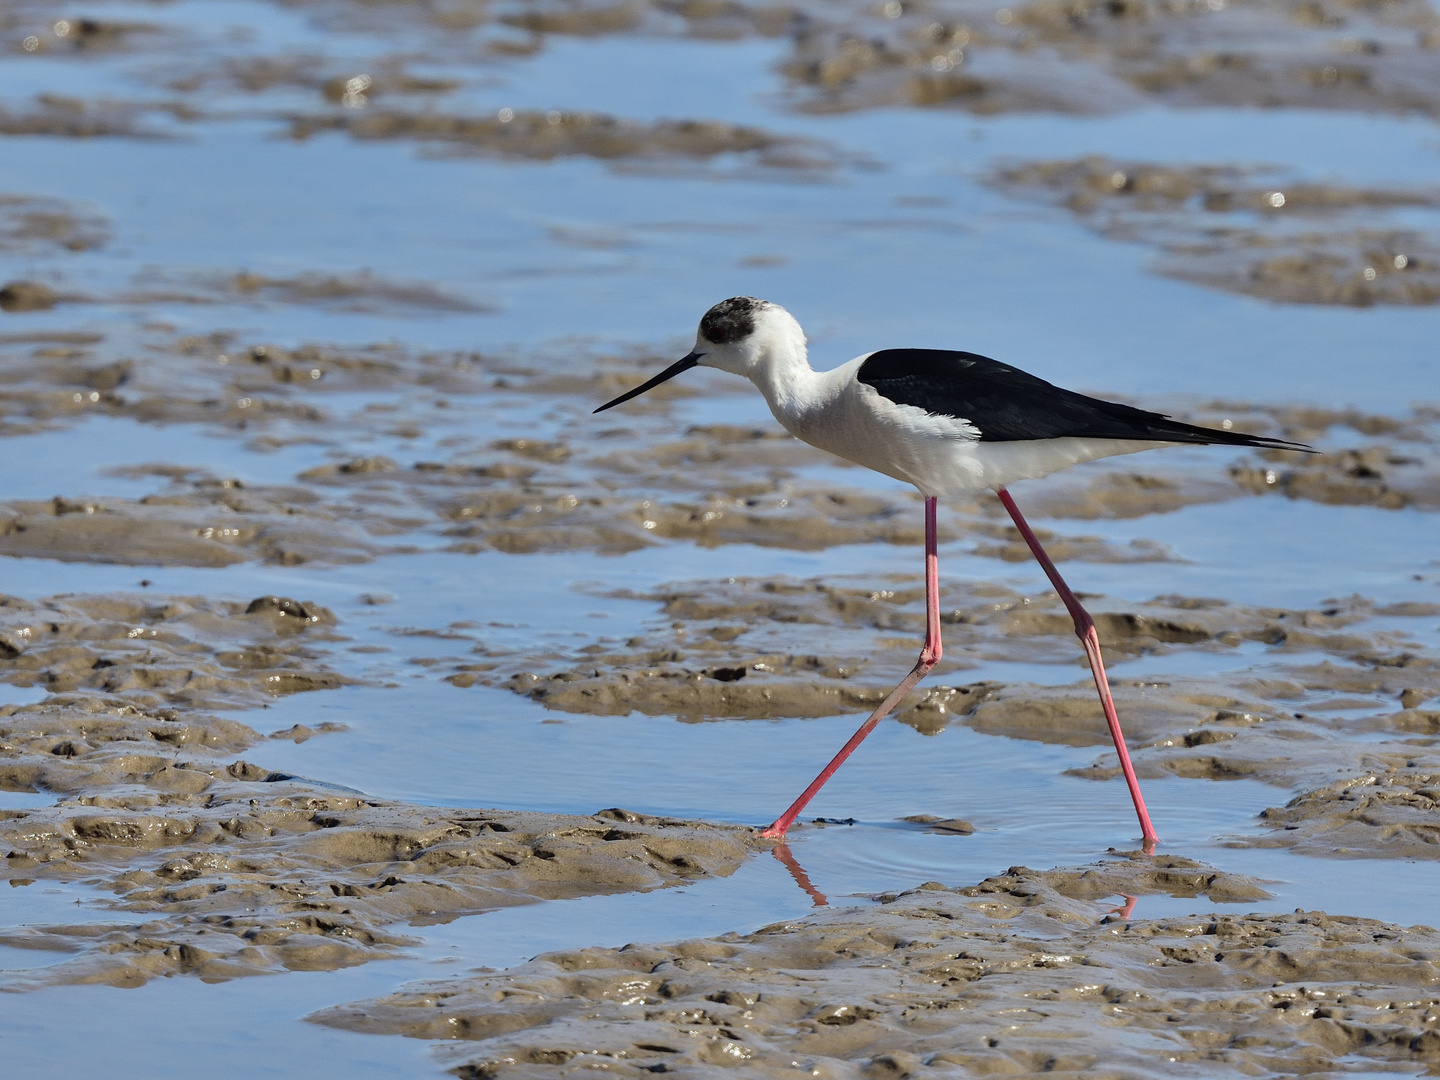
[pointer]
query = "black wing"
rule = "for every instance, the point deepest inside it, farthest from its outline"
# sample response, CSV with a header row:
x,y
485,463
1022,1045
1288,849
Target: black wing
x,y
1006,404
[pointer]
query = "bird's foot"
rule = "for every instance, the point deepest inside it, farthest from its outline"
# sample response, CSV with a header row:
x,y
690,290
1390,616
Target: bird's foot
x,y
772,832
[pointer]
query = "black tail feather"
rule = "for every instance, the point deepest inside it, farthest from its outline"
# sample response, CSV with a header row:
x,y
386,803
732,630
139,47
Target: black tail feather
x,y
1142,425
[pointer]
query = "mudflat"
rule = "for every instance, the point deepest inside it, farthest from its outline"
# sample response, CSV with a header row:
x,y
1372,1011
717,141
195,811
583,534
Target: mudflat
x,y
336,631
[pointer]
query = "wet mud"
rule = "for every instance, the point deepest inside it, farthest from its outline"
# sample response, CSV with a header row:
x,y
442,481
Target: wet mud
x,y
1026,972
221,870
221,867
1044,55
199,859
1081,57
1383,814
1342,689
1252,231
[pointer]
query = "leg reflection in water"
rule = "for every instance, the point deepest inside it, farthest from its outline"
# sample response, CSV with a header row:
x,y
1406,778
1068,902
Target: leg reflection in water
x,y
787,860
1127,909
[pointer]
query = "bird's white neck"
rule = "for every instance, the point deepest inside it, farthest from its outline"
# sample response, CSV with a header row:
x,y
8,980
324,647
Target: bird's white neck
x,y
791,387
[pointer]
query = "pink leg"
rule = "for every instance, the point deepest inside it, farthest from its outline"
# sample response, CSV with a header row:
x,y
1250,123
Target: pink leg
x,y
1085,630
929,657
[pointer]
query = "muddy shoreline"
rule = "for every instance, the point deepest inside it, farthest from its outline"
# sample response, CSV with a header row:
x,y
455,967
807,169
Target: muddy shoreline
x,y
303,313
1022,973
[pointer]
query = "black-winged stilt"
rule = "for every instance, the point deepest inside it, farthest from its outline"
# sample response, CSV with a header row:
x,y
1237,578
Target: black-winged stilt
x,y
951,423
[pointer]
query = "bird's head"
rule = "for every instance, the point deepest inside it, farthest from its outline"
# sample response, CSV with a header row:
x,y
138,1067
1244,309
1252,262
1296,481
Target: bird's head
x,y
737,335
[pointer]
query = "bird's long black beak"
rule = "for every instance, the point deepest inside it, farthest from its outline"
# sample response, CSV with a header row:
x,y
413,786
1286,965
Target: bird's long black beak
x,y
669,373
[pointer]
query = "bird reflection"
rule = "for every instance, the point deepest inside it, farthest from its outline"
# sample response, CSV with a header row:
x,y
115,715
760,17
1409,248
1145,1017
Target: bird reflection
x,y
1126,909
787,860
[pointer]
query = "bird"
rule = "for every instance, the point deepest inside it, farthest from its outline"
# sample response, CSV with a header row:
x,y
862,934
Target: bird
x,y
950,423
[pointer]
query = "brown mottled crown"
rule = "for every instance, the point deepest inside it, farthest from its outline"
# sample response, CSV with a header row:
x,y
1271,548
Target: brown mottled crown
x,y
730,320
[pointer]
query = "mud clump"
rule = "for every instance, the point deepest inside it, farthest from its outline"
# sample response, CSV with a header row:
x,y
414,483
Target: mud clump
x,y
164,652
31,223
210,378
1353,268
698,694
544,136
1387,814
930,980
72,118
94,36
1249,231
210,524
363,292
1392,477
27,296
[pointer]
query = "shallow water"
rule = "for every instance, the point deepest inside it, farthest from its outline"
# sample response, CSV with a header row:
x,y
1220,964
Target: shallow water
x,y
896,239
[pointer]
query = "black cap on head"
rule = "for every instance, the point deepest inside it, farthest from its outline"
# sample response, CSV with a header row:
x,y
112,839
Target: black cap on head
x,y
730,320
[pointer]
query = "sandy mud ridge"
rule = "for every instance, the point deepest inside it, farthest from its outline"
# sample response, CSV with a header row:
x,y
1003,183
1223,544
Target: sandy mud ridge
x,y
1045,54
592,487
1023,973
60,116
222,867
783,647
1256,231
362,292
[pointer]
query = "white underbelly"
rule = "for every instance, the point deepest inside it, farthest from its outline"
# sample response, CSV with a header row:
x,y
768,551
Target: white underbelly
x,y
940,463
